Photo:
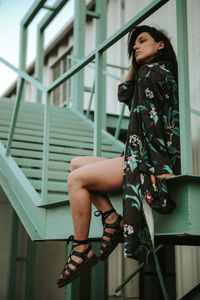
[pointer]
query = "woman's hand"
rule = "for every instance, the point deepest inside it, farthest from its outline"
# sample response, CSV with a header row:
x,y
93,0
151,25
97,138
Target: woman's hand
x,y
153,178
130,74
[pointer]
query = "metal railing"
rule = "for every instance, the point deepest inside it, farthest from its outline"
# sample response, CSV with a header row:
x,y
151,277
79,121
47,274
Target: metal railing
x,y
97,55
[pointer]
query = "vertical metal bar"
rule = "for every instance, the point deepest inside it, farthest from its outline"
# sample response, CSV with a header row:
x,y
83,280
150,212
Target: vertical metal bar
x,y
98,105
73,289
119,122
98,277
14,116
11,285
101,26
46,148
30,271
160,277
39,61
90,101
184,94
68,84
22,52
79,51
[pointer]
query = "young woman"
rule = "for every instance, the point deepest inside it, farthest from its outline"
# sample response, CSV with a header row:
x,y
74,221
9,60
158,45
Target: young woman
x,y
151,154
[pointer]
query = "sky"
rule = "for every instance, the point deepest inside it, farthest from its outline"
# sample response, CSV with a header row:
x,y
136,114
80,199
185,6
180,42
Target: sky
x,y
11,13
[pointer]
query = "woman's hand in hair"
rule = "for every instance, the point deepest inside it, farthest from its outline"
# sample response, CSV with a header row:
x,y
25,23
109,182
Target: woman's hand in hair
x,y
130,74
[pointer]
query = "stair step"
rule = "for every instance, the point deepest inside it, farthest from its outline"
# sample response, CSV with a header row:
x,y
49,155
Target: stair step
x,y
70,136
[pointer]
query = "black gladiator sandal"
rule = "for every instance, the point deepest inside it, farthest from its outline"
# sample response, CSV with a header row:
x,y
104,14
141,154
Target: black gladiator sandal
x,y
115,238
86,262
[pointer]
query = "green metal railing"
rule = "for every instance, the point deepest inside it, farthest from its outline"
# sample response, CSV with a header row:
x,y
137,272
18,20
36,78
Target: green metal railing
x,y
97,55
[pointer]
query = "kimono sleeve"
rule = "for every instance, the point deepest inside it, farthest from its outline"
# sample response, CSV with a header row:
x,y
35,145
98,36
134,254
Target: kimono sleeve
x,y
150,98
125,91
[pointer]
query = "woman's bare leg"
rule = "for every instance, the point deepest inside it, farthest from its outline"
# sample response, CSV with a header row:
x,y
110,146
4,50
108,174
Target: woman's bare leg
x,y
104,175
99,199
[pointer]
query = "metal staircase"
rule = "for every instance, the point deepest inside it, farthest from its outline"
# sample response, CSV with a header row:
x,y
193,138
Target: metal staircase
x,y
70,135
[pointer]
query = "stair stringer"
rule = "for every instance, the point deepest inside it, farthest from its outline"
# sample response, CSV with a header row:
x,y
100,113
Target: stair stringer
x,y
22,196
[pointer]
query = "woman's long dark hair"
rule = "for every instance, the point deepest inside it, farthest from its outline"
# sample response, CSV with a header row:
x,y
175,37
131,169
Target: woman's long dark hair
x,y
166,54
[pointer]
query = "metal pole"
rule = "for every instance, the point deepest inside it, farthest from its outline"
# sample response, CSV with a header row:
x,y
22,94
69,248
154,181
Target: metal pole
x,y
11,285
46,148
39,62
79,52
101,26
184,93
98,105
30,271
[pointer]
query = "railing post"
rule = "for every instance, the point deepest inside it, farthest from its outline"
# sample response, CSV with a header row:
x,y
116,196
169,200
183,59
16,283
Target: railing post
x,y
184,93
79,52
15,115
22,53
98,105
11,285
46,148
39,61
101,26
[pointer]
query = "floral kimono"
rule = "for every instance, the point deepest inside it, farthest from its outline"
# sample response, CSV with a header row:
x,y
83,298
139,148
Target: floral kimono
x,y
152,147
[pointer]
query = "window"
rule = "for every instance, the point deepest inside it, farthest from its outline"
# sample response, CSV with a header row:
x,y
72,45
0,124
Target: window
x,y
60,94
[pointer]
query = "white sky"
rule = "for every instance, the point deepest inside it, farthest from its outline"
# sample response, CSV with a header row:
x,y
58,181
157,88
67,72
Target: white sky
x,y
11,13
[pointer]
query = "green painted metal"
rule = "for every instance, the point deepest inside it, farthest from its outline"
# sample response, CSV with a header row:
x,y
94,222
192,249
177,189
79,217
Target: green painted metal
x,y
98,105
11,284
40,42
79,52
24,75
27,19
184,220
46,149
160,277
122,285
93,14
39,63
98,276
184,94
101,31
119,122
30,270
90,100
32,12
51,8
72,289
46,20
145,13
15,114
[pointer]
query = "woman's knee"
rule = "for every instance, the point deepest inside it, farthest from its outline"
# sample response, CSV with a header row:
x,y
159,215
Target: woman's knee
x,y
75,163
74,180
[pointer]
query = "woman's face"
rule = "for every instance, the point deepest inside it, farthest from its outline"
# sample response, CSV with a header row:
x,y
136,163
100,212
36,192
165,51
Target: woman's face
x,y
146,49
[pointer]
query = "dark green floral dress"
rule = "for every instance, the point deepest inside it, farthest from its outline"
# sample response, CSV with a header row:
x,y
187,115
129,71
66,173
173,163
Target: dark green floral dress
x,y
152,147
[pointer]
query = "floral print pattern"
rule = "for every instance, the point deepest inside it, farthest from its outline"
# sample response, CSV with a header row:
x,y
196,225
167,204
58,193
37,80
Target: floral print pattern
x,y
152,147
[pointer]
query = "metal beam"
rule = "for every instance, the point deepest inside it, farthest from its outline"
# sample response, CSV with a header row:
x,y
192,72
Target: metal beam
x,y
184,93
11,285
51,15
79,52
24,75
32,12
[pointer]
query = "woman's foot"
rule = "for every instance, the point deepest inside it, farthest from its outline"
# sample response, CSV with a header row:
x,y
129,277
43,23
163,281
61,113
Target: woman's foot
x,y
81,256
113,232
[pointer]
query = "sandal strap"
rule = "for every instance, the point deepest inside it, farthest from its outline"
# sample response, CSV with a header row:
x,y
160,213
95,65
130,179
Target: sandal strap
x,y
104,215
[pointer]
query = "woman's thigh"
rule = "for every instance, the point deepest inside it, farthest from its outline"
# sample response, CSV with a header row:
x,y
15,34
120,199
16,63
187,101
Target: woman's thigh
x,y
105,175
81,161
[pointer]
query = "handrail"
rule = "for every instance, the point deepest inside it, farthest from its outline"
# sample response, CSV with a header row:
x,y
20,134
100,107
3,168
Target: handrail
x,y
24,75
94,55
